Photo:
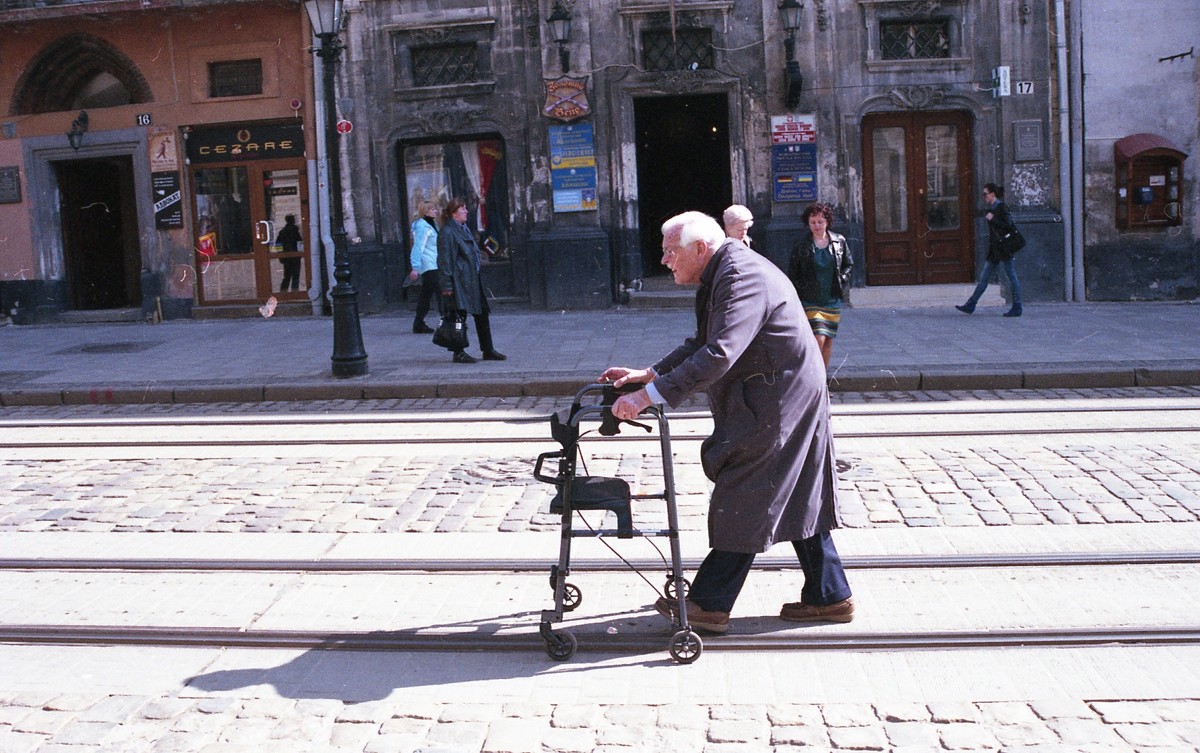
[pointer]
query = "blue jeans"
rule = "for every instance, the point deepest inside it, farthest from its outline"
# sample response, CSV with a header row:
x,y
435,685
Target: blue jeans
x,y
1013,284
722,575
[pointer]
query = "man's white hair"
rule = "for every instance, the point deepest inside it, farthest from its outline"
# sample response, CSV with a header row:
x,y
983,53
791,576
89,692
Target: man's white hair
x,y
738,213
695,226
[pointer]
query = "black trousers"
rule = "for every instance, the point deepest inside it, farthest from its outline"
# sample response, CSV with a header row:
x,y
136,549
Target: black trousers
x,y
483,325
429,289
722,575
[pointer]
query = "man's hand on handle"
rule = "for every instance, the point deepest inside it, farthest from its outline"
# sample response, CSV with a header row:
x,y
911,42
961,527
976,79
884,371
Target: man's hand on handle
x,y
627,407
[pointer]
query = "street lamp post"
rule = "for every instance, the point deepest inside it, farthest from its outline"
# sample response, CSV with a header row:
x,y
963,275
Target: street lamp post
x,y
349,357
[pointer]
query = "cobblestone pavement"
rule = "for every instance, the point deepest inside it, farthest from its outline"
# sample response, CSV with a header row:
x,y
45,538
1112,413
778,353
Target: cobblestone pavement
x,y
957,484
206,724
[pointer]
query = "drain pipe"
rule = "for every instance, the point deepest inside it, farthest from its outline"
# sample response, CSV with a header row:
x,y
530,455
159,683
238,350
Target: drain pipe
x,y
1076,28
322,301
1066,196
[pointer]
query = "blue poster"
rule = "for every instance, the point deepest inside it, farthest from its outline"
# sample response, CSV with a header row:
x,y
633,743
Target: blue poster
x,y
573,167
794,171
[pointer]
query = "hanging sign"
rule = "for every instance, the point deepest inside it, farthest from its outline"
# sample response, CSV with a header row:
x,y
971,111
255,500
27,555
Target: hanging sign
x,y
566,99
794,157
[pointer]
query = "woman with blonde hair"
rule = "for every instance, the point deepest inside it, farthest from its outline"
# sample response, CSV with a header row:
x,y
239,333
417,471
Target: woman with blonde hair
x,y
424,259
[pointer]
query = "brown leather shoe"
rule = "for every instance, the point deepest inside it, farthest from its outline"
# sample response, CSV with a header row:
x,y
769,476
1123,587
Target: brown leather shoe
x,y
796,611
713,622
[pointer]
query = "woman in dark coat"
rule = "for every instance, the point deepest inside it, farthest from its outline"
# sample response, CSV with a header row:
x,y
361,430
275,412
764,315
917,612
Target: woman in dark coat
x,y
459,259
820,270
1000,224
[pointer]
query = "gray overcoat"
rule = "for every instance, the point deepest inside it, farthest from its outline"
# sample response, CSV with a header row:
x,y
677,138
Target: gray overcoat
x,y
458,267
770,455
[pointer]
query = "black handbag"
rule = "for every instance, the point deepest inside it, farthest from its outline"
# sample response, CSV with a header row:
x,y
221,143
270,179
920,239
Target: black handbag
x,y
1013,242
451,332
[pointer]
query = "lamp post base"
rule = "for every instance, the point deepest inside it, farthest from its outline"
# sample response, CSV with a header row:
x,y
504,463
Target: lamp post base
x,y
349,356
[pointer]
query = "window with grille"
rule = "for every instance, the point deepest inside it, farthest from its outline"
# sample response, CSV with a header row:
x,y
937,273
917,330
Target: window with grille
x,y
914,40
691,47
235,78
445,64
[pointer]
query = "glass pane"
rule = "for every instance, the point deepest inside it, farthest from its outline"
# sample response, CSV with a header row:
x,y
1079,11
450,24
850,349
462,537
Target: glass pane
x,y
941,176
223,209
891,183
285,229
228,279
224,230
472,171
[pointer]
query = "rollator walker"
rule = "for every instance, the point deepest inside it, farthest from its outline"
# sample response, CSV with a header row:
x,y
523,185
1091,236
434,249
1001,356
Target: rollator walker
x,y
577,494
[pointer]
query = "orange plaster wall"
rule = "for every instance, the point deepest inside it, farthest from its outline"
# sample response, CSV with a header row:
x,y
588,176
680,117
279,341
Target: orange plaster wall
x,y
171,50
16,241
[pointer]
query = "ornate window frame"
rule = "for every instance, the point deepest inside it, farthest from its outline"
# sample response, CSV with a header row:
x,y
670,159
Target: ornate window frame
x,y
956,13
477,32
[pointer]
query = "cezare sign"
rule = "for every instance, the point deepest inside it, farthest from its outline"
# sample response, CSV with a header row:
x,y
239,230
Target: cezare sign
x,y
240,143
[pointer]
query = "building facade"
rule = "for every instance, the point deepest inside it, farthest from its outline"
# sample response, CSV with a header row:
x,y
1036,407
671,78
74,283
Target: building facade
x,y
151,152
195,122
891,110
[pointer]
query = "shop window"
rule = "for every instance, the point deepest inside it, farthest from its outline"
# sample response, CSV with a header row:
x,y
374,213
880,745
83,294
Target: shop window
x,y
471,170
913,40
1149,181
235,78
686,49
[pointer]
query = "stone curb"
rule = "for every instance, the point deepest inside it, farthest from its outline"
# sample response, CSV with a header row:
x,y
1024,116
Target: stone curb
x,y
565,385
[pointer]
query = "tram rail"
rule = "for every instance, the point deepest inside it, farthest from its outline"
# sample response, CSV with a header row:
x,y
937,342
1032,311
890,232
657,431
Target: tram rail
x,y
399,431
417,640
585,564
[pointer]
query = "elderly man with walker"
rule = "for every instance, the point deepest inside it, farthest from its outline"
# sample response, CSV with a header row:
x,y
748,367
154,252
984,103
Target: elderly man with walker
x,y
770,456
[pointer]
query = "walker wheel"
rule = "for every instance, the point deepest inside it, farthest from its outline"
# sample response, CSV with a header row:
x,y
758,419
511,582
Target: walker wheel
x,y
572,597
561,645
669,588
685,646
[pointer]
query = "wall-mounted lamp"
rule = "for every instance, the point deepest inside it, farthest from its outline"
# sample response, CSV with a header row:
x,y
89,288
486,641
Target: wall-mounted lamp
x,y
79,126
789,13
559,22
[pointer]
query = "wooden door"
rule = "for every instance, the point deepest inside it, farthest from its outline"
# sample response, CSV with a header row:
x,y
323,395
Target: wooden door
x,y
917,179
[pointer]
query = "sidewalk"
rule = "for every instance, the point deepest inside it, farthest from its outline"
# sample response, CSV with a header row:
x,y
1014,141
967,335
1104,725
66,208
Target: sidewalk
x,y
1056,345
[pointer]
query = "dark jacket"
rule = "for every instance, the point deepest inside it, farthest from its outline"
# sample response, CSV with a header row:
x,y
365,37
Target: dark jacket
x,y
458,267
999,226
770,455
802,271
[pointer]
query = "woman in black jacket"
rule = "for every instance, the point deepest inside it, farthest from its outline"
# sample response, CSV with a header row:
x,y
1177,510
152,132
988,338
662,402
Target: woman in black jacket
x,y
459,259
1000,224
820,270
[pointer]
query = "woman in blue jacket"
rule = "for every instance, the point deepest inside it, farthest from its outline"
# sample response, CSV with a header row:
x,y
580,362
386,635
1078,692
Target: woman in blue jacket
x,y
424,261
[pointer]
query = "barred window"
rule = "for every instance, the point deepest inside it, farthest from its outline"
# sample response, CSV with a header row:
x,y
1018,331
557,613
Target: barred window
x,y
913,40
445,64
691,47
235,78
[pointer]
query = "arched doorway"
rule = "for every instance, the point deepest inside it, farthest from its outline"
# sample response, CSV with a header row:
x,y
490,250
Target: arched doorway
x,y
682,163
99,233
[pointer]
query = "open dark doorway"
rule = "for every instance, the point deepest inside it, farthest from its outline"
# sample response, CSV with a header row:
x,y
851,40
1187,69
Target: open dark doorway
x,y
683,163
99,231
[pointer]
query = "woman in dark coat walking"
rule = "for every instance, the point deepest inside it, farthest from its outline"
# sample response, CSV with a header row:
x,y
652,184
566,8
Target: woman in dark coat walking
x,y
770,456
459,259
1000,224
